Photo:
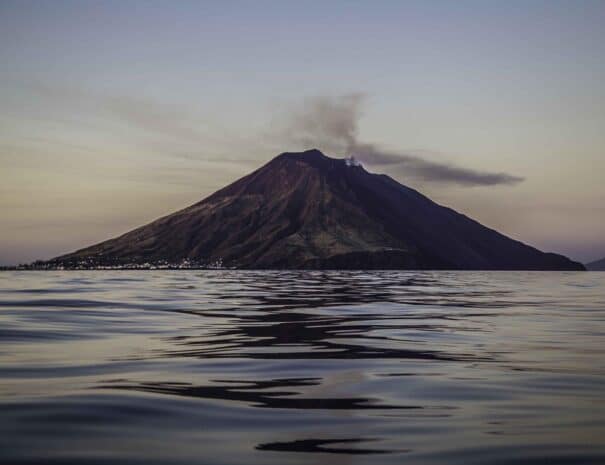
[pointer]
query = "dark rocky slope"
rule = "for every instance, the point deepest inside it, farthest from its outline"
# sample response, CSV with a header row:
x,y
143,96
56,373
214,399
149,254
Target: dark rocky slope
x,y
306,210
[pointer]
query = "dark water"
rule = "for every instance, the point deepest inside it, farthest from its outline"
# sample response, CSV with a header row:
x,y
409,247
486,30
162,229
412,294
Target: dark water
x,y
224,367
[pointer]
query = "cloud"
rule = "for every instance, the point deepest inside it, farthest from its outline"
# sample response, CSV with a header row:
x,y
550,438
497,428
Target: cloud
x,y
170,120
163,127
331,123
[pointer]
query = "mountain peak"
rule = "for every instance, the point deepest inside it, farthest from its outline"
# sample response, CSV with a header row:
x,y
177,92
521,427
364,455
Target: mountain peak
x,y
317,159
307,154
312,157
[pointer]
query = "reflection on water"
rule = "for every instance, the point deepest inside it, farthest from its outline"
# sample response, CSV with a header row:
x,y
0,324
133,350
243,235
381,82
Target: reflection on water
x,y
226,367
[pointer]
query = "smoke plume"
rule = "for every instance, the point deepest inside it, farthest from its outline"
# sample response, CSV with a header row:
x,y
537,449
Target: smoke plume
x,y
331,123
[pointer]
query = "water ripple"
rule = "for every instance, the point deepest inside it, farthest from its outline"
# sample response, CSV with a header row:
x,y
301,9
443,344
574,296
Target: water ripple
x,y
297,367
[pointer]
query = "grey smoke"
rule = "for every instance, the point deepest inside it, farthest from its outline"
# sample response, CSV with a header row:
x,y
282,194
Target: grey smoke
x,y
331,123
429,170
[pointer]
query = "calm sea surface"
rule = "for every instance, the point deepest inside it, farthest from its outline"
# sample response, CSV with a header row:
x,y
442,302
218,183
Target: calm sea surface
x,y
232,367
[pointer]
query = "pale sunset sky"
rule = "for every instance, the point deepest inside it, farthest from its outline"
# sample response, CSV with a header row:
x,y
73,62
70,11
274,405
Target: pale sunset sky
x,y
114,113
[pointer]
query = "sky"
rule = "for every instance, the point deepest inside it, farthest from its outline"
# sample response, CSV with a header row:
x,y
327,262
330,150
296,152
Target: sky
x,y
113,114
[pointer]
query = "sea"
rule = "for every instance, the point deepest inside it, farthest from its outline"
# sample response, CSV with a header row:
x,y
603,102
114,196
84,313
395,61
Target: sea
x,y
302,367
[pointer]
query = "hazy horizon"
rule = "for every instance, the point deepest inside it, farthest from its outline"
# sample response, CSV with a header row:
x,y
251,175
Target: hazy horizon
x,y
115,113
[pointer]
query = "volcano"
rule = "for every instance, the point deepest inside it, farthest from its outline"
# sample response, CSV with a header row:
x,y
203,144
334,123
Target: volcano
x,y
309,211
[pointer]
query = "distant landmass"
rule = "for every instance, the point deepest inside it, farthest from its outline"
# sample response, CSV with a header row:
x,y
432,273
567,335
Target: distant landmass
x,y
598,265
308,211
